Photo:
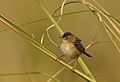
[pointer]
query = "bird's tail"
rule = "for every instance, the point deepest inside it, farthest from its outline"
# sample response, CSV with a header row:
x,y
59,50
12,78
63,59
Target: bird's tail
x,y
87,54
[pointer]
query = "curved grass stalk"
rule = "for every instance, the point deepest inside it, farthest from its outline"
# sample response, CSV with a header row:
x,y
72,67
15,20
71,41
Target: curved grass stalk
x,y
47,31
61,12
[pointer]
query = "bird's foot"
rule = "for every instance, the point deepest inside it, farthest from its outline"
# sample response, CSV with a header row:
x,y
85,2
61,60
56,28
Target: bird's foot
x,y
59,58
73,68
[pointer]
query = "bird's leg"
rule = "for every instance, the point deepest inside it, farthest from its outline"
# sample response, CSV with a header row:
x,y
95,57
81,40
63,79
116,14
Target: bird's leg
x,y
59,57
75,64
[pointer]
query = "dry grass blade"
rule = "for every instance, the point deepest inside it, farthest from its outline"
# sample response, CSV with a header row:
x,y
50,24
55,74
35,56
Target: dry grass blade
x,y
30,73
42,38
107,13
61,12
57,73
110,34
100,12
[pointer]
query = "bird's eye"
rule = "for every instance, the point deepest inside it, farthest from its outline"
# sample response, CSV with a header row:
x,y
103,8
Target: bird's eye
x,y
66,37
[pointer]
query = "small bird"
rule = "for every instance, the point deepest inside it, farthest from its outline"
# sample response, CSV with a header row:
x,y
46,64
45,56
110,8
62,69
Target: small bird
x,y
71,46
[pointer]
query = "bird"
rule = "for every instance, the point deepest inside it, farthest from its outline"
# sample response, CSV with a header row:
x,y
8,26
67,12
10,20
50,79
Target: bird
x,y
71,46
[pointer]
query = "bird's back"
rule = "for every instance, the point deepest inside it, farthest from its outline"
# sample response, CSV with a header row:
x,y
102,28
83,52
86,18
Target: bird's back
x,y
80,47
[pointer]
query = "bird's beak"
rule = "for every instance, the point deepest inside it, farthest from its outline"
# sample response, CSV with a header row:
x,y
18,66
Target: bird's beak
x,y
60,37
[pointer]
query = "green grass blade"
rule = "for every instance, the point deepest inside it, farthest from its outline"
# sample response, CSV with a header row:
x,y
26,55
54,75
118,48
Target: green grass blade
x,y
51,18
85,68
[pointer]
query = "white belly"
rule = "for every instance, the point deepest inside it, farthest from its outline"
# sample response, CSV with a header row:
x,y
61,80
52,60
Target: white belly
x,y
69,49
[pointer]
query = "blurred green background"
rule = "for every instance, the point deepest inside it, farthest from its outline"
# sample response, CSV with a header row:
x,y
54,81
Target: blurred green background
x,y
17,55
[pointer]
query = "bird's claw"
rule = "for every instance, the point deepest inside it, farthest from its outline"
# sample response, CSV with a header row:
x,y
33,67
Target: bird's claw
x,y
73,68
58,58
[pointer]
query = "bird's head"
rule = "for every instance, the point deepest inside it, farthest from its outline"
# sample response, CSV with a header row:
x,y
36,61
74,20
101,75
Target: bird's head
x,y
67,37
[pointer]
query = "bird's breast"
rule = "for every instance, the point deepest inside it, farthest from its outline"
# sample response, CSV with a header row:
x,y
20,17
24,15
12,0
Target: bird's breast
x,y
69,49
